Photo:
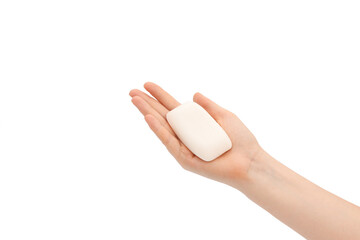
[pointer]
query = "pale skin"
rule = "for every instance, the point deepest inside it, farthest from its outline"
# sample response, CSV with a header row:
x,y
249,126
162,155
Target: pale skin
x,y
311,211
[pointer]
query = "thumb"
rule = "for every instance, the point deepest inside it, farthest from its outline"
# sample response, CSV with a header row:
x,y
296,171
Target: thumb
x,y
211,107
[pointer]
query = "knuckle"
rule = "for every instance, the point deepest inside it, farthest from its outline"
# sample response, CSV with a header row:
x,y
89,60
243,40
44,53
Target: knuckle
x,y
185,166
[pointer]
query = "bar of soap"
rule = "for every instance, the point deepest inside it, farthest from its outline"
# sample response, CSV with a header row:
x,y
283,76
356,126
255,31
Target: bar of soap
x,y
200,133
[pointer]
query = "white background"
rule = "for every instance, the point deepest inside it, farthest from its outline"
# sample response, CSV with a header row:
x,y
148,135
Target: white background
x,y
77,160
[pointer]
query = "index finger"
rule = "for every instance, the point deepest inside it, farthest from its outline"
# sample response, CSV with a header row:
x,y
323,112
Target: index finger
x,y
161,95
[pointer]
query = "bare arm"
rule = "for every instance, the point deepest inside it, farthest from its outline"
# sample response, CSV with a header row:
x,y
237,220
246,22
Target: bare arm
x,y
308,209
305,207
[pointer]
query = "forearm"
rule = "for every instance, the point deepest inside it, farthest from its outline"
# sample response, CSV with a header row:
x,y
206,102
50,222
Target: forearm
x,y
308,209
303,206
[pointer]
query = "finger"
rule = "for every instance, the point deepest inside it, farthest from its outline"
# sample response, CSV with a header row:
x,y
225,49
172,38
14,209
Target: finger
x,y
211,107
170,142
151,101
145,109
161,95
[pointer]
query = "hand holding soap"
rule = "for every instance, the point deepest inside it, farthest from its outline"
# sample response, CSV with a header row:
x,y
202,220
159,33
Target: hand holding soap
x,y
200,133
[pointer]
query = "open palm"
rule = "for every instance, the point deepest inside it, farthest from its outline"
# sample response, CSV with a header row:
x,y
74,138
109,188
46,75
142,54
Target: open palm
x,y
229,167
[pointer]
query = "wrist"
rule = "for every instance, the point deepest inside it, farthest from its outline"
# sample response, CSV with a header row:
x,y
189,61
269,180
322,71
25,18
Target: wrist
x,y
261,166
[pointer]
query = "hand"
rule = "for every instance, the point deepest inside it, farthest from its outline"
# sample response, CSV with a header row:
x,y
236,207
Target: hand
x,y
231,167
289,197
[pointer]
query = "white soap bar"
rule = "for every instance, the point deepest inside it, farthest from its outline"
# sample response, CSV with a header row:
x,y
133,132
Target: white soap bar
x,y
200,133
